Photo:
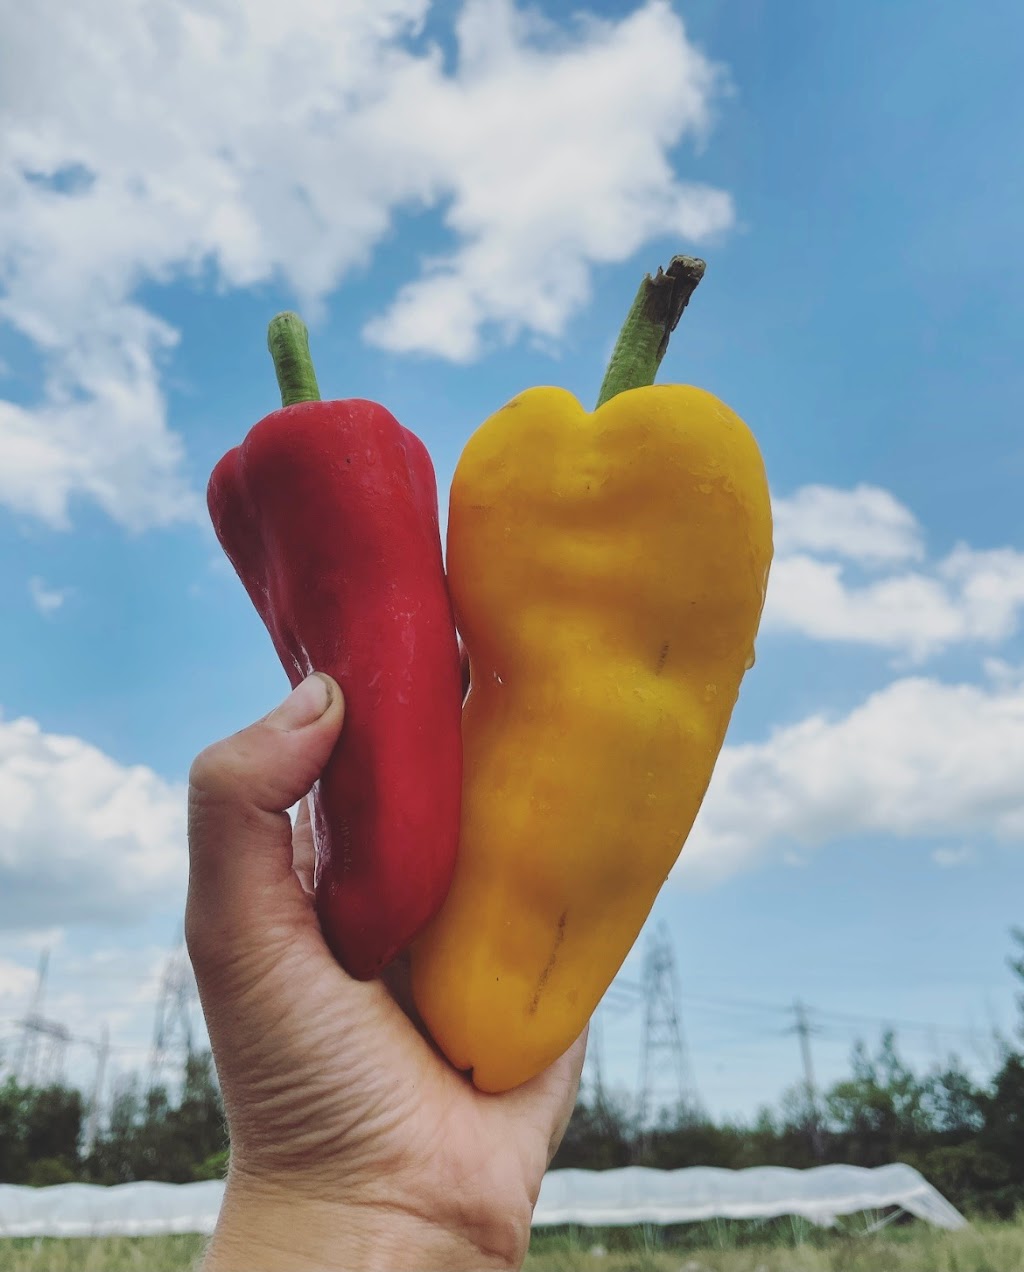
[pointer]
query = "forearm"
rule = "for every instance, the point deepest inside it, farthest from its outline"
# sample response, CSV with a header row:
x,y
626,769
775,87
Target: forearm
x,y
268,1230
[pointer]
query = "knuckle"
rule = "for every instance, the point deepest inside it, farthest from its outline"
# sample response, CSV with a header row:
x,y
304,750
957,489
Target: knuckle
x,y
216,774
204,769
204,950
195,934
209,938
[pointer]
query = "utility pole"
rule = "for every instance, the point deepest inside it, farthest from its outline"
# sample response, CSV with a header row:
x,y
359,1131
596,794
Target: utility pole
x,y
595,1054
172,1028
36,1066
92,1125
803,1029
665,1063
24,1067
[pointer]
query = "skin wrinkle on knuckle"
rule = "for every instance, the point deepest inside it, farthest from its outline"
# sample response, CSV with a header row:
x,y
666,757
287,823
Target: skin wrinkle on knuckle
x,y
236,799
275,1021
194,931
216,774
242,972
215,833
234,774
277,1086
298,1143
251,820
210,934
279,1132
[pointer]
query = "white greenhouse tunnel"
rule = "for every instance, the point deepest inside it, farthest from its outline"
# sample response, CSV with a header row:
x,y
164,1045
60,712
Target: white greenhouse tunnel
x,y
599,1199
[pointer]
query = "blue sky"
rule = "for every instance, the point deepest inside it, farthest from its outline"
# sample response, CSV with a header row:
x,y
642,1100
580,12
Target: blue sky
x,y
462,199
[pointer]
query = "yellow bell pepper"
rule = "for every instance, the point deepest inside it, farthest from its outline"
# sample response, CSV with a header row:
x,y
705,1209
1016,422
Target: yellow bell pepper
x,y
608,571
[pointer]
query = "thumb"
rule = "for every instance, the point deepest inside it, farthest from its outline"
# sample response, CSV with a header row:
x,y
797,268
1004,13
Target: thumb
x,y
241,880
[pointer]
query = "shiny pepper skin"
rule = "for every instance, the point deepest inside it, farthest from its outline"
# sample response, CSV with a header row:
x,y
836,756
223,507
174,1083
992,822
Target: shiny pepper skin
x,y
328,512
608,572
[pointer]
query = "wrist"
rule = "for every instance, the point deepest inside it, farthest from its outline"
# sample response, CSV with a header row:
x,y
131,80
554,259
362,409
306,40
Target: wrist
x,y
274,1228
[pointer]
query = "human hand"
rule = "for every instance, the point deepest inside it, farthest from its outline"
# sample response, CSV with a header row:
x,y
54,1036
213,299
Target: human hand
x,y
354,1144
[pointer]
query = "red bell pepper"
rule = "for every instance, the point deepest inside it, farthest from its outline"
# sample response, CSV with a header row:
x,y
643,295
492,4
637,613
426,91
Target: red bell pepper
x,y
328,512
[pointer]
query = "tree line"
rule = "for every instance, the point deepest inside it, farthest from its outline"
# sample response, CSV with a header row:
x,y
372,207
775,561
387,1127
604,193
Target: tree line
x,y
966,1138
148,1134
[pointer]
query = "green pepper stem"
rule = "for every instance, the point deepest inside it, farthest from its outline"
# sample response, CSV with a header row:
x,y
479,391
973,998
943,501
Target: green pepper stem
x,y
645,334
288,342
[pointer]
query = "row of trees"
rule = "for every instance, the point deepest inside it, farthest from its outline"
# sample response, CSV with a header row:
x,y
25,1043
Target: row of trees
x,y
966,1138
148,1136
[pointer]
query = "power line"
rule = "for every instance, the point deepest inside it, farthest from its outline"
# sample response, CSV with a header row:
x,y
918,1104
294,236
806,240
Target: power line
x,y
897,1023
735,1006
623,996
77,1040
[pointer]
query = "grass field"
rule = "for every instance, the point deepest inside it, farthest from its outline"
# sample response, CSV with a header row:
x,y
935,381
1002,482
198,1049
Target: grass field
x,y
781,1247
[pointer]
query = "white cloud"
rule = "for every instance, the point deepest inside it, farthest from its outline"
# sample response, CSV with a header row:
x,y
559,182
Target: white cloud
x,y
47,599
866,524
919,759
990,586
83,838
267,141
915,613
907,613
555,160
